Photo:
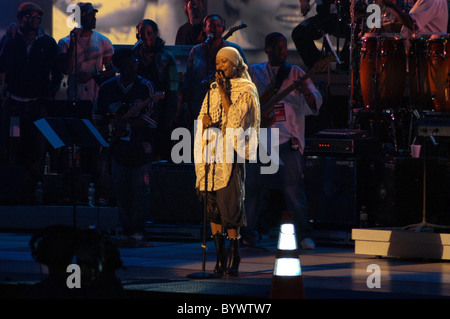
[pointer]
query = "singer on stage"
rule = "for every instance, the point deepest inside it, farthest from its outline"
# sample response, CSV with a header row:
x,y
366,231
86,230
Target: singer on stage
x,y
202,62
232,103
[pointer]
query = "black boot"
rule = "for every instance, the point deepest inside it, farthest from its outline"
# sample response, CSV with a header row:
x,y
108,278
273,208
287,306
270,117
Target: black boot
x,y
219,241
235,258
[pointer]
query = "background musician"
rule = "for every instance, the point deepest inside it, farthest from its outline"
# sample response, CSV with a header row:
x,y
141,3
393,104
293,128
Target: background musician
x,y
426,16
330,19
130,138
289,118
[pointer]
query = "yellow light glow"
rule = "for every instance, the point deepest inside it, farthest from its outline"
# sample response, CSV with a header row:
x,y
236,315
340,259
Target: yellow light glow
x,y
117,19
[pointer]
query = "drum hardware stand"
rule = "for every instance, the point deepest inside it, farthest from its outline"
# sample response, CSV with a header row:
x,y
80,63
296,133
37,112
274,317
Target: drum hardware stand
x,y
393,130
353,70
413,111
335,54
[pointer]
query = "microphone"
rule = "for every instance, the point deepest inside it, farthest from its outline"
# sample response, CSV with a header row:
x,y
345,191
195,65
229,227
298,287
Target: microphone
x,y
209,38
211,77
139,43
72,33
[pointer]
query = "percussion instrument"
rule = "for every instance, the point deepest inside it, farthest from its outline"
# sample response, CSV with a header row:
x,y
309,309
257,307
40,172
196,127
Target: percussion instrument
x,y
439,72
382,70
418,73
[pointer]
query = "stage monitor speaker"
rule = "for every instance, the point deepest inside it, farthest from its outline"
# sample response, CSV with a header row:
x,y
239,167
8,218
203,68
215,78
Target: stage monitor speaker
x,y
173,198
398,199
331,191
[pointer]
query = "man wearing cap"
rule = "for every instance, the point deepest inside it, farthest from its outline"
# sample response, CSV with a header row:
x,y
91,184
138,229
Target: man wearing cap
x,y
28,62
85,56
94,55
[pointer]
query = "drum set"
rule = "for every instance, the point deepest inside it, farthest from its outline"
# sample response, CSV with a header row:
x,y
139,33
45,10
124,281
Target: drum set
x,y
400,77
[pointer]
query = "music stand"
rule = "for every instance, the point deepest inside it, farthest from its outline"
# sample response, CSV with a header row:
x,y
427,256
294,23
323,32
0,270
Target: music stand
x,y
62,132
81,109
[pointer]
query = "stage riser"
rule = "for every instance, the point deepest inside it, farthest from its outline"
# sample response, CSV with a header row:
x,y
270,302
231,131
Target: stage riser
x,y
401,244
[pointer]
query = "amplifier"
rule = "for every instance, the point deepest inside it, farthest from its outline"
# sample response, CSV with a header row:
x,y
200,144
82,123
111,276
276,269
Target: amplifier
x,y
434,126
344,146
341,133
327,145
340,141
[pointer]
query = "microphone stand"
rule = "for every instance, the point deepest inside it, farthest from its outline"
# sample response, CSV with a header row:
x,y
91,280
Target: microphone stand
x,y
74,155
351,69
203,274
424,225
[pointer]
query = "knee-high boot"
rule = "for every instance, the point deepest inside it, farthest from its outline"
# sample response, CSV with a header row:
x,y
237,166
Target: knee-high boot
x,y
221,264
235,258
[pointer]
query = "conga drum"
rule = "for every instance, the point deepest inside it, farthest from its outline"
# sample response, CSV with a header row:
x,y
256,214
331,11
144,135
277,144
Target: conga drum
x,y
438,72
418,73
382,70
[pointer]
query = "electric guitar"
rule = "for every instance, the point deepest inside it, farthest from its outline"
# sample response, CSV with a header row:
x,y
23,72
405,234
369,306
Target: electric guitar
x,y
234,29
271,96
118,121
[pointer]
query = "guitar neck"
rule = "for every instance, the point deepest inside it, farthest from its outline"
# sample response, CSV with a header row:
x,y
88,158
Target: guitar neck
x,y
135,110
234,29
281,95
138,108
318,66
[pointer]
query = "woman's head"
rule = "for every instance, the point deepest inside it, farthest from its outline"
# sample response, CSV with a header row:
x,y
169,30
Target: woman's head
x,y
231,63
148,32
214,24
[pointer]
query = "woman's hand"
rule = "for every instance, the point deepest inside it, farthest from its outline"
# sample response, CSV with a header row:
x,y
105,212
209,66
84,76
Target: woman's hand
x,y
222,83
220,80
207,121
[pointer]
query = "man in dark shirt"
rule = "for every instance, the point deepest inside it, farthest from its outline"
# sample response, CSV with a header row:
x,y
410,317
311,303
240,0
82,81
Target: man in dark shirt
x,y
190,33
157,64
332,17
125,115
28,61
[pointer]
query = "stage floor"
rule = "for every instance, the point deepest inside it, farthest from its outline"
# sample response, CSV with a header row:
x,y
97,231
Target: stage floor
x,y
161,272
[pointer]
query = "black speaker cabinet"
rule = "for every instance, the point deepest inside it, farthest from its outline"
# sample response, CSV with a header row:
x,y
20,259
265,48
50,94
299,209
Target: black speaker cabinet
x,y
331,185
398,197
173,198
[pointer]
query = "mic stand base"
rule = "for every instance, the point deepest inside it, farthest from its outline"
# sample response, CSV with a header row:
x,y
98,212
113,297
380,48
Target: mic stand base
x,y
424,226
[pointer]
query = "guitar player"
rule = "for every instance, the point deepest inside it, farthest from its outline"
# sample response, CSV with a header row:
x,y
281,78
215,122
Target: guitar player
x,y
288,116
131,154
